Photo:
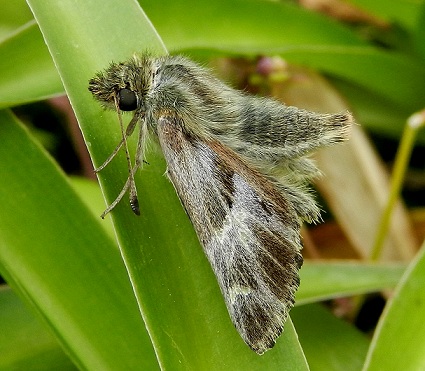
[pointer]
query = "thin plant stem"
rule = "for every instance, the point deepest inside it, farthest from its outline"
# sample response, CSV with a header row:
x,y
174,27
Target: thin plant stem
x,y
413,124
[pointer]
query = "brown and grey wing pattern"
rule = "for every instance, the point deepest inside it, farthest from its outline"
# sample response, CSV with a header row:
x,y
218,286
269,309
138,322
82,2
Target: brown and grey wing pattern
x,y
249,230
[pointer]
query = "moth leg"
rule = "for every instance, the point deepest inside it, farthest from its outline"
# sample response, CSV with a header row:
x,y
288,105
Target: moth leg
x,y
140,149
138,163
117,200
130,183
129,130
133,196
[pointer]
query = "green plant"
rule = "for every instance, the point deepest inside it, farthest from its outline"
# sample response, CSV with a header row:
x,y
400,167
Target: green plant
x,y
55,252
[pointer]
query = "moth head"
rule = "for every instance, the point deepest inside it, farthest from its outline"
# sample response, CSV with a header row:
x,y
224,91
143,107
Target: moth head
x,y
125,85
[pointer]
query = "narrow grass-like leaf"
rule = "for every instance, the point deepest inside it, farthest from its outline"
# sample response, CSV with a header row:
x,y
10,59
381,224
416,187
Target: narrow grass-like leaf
x,y
329,343
419,32
13,14
403,11
324,281
27,70
399,340
91,194
25,342
250,27
396,77
56,254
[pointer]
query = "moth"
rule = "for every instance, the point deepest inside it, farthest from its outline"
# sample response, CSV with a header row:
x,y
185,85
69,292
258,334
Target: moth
x,y
238,164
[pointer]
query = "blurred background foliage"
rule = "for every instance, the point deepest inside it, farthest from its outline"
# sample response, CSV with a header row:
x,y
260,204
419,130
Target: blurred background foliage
x,y
325,55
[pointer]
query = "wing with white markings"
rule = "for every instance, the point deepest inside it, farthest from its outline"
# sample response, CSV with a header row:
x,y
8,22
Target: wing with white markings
x,y
248,229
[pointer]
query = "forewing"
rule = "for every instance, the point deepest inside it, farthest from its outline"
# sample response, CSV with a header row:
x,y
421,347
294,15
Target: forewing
x,y
249,231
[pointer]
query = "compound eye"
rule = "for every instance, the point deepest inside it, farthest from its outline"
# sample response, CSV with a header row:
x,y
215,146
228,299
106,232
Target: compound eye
x,y
127,100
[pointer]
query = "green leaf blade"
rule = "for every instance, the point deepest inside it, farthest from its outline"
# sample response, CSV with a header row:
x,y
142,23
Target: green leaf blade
x,y
324,281
399,340
55,252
